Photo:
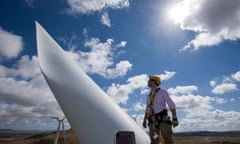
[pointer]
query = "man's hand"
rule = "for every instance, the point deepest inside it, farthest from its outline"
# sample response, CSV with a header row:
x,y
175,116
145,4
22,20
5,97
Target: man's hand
x,y
174,121
144,124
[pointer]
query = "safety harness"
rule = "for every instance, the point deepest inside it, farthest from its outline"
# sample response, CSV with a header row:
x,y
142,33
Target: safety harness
x,y
159,117
151,97
150,115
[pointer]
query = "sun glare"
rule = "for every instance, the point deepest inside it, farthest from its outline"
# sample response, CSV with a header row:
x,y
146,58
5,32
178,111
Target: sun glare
x,y
177,13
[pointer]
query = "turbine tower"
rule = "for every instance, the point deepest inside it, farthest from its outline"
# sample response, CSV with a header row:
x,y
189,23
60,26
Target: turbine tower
x,y
60,123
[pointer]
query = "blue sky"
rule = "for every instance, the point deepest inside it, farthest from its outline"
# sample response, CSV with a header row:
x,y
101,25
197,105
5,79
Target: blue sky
x,y
193,45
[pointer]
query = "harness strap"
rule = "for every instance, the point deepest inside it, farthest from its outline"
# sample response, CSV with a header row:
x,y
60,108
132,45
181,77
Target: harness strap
x,y
151,96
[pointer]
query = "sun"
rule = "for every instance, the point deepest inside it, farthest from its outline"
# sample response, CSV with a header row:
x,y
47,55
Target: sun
x,y
177,13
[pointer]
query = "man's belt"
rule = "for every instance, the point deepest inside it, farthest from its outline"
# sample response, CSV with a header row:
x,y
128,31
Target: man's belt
x,y
162,117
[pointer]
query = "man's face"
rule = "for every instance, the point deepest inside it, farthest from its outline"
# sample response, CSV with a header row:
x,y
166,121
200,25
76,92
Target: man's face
x,y
151,83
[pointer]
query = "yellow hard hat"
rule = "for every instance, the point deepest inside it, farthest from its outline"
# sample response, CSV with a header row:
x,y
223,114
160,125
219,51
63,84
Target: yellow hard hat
x,y
156,79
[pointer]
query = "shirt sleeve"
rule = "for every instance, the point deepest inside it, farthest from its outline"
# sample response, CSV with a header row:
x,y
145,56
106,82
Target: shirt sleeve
x,y
169,101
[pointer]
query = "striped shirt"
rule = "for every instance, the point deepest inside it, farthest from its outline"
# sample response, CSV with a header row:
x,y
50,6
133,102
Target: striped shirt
x,y
161,100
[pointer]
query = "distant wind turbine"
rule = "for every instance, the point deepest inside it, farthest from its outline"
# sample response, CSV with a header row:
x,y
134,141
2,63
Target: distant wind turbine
x,y
135,117
60,123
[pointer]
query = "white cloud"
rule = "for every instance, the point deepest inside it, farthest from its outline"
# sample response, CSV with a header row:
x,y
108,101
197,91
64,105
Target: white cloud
x,y
18,102
23,93
122,44
199,111
224,87
187,101
14,116
219,100
25,68
105,19
167,75
10,44
202,39
213,83
217,120
120,93
182,90
138,81
139,106
214,21
90,6
120,70
20,86
236,76
228,84
192,102
99,59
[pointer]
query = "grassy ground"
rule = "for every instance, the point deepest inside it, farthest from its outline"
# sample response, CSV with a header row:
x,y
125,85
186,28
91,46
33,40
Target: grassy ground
x,y
207,140
48,138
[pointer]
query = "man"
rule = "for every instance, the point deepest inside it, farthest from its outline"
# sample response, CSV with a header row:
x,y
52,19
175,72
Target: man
x,y
156,112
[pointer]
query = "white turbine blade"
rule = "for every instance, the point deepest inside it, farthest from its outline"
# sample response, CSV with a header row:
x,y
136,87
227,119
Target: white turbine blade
x,y
87,107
